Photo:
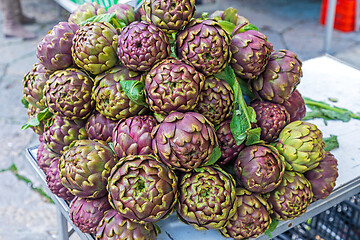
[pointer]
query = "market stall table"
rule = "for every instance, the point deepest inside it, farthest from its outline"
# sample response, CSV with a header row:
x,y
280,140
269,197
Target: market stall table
x,y
324,78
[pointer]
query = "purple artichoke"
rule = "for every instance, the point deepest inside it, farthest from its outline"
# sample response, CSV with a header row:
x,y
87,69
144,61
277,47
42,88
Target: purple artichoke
x,y
123,11
141,45
86,214
54,50
85,11
295,106
132,136
184,141
323,177
259,168
206,45
45,156
99,127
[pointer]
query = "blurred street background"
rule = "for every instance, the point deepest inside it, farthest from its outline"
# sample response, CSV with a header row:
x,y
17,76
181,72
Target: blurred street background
x,y
25,213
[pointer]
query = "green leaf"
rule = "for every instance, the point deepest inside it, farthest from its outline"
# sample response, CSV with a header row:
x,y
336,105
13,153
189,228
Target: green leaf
x,y
272,227
331,143
106,17
44,114
135,90
25,102
31,123
111,145
250,27
35,121
253,136
227,26
215,155
204,15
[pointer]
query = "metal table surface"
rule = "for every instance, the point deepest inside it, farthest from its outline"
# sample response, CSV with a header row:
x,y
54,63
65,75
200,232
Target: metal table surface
x,y
324,78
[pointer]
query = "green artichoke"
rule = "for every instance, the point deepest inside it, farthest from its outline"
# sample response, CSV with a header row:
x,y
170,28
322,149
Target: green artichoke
x,y
302,146
99,127
252,217
68,94
85,11
291,198
170,15
111,100
323,177
141,45
206,45
94,47
60,133
184,141
85,168
116,227
280,78
207,198
295,106
259,168
123,11
142,189
173,86
216,101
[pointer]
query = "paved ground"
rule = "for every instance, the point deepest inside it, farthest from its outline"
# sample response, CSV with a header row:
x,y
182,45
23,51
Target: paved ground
x,y
24,213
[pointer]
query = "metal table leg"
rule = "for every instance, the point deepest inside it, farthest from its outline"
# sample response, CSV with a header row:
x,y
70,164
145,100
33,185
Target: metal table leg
x,y
62,225
330,18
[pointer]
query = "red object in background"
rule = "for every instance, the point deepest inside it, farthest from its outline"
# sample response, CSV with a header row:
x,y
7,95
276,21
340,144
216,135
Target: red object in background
x,y
345,14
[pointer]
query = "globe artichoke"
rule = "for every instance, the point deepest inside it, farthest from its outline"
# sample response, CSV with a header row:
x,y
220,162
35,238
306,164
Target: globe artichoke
x,y
111,100
141,45
68,94
115,227
99,127
59,133
206,45
123,11
229,148
295,106
94,47
207,198
259,168
252,217
85,11
271,118
216,100
302,146
250,54
184,141
85,168
132,136
44,156
173,85
32,112
86,214
142,189
34,83
323,177
230,14
54,50
170,15
280,77
53,181
291,198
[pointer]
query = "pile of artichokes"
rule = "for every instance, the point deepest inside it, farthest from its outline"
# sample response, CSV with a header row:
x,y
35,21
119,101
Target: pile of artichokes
x,y
142,113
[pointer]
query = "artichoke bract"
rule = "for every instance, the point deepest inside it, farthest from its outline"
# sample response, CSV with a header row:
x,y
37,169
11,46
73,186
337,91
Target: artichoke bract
x,y
323,177
170,15
259,168
85,168
142,189
207,198
60,132
86,214
123,11
184,141
99,127
141,45
173,86
229,148
250,54
206,45
44,156
252,217
291,198
113,226
295,106
110,98
280,77
34,83
54,50
68,94
302,146
85,11
216,100
271,118
94,47
53,181
132,136
230,14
